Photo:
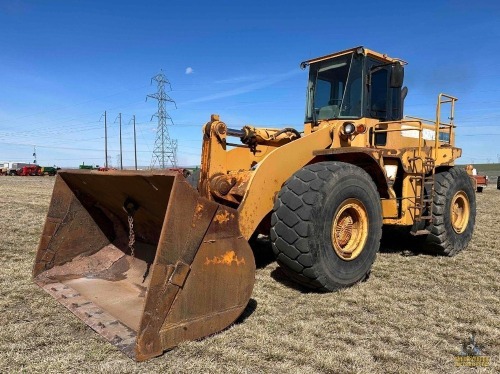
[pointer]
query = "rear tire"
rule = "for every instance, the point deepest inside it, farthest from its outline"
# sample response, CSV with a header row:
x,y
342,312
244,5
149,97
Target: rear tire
x,y
326,225
454,212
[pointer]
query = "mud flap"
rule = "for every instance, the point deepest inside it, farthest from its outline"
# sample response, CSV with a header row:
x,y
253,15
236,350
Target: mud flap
x,y
191,275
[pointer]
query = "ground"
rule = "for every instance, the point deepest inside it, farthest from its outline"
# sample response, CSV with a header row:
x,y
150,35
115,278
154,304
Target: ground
x,y
411,315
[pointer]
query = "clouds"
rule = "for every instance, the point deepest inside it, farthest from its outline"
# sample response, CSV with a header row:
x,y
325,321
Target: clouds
x,y
261,82
189,70
240,79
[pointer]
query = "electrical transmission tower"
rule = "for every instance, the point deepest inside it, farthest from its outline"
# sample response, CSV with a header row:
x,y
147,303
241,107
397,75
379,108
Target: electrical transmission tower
x,y
165,149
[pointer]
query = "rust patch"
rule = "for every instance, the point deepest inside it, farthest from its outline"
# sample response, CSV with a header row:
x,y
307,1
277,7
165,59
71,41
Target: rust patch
x,y
226,259
109,263
142,289
223,217
197,213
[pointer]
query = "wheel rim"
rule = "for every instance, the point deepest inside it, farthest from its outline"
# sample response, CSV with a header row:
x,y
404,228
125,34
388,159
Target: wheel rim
x,y
350,229
460,211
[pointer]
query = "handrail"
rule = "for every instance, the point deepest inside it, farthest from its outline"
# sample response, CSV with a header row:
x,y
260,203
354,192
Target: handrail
x,y
422,124
436,125
439,124
421,119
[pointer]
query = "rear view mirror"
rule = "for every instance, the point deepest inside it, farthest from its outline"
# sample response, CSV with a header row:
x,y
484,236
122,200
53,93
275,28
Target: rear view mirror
x,y
397,75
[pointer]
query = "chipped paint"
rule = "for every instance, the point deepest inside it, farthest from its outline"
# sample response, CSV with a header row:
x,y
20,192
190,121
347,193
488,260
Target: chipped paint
x,y
226,259
223,217
197,213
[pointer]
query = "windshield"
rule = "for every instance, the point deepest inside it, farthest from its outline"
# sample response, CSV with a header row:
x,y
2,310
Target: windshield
x,y
335,89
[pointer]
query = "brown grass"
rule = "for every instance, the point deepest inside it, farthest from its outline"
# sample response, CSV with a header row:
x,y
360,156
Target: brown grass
x,y
410,316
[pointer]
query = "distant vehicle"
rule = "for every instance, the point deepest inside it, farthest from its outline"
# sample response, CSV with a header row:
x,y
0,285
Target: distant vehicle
x,y
88,167
12,168
4,168
479,181
31,170
49,170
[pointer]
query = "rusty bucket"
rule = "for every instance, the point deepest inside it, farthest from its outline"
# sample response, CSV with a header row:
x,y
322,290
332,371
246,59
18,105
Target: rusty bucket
x,y
143,259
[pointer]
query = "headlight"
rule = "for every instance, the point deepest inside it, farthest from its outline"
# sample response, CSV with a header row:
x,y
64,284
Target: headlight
x,y
349,128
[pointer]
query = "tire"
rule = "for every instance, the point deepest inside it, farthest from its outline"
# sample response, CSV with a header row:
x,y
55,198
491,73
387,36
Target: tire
x,y
315,199
451,233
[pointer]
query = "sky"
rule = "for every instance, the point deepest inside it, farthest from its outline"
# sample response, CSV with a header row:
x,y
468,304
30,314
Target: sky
x,y
63,63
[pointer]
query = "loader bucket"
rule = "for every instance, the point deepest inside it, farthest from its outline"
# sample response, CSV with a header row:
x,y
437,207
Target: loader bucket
x,y
190,273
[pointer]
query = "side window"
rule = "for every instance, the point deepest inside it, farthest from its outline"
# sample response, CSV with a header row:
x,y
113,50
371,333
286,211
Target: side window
x,y
323,91
378,97
352,105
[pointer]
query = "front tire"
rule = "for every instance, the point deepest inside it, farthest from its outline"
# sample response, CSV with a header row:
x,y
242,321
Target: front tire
x,y
453,211
326,225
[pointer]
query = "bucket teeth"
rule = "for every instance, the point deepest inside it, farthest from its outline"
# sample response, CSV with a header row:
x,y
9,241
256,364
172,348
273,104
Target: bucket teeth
x,y
103,323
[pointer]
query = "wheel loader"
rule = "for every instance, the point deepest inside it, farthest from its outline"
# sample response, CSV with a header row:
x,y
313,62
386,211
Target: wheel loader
x,y
148,261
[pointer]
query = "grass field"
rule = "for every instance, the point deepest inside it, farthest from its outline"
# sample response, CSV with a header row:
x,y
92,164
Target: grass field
x,y
410,316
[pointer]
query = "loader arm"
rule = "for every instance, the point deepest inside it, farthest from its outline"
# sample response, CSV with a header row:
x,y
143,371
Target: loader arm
x,y
250,176
272,172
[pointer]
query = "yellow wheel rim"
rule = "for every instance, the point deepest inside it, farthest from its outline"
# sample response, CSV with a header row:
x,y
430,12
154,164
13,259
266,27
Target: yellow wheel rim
x,y
459,212
350,229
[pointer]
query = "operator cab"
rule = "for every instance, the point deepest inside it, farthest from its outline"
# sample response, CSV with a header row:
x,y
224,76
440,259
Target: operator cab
x,y
353,84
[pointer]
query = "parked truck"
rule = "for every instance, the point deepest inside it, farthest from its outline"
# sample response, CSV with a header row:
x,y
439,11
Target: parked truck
x,y
149,262
13,168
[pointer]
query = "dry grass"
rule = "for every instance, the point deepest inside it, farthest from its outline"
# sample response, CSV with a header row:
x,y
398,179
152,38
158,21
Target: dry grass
x,y
410,316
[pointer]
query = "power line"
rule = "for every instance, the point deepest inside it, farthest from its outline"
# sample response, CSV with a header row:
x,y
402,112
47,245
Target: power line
x,y
54,109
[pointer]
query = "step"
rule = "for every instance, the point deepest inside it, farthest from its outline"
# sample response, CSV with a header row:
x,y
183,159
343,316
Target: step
x,y
420,232
425,217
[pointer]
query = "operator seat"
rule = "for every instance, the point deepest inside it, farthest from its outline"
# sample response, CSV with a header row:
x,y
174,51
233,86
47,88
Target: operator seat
x,y
329,111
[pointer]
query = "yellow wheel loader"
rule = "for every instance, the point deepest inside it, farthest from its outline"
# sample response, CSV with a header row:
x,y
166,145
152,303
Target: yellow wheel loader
x,y
148,261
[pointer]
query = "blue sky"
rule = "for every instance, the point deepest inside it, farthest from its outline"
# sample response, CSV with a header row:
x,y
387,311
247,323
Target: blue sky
x,y
63,63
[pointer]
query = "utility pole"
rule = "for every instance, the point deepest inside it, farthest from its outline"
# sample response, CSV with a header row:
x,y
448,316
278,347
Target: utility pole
x,y
165,149
121,152
105,140
34,154
135,144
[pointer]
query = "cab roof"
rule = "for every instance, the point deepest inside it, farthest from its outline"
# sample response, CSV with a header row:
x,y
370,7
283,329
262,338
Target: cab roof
x,y
360,49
